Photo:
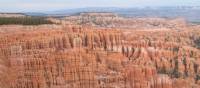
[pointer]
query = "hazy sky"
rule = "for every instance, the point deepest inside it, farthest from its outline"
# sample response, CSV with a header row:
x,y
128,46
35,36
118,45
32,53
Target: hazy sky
x,y
51,5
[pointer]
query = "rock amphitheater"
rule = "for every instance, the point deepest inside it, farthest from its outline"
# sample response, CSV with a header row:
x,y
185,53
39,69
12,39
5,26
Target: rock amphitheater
x,y
137,53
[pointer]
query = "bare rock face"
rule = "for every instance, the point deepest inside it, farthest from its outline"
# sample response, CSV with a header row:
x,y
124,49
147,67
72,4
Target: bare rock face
x,y
72,56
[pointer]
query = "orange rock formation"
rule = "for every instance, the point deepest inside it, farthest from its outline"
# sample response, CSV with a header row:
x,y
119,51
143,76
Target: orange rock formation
x,y
73,56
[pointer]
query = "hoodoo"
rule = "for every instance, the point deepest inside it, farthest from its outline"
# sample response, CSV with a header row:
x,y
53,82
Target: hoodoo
x,y
136,53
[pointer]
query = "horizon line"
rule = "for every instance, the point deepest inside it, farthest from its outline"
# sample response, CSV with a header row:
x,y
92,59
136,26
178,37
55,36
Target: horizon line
x,y
72,8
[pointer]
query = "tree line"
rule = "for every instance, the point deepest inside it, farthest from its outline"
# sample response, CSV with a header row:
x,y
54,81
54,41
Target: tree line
x,y
24,20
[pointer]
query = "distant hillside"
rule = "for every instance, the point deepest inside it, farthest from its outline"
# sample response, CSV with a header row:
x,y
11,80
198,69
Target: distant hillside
x,y
112,20
35,14
12,15
189,13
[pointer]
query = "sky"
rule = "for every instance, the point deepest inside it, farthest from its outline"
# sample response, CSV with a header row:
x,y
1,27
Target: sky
x,y
53,5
